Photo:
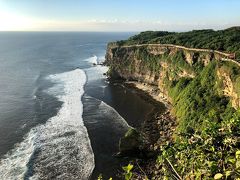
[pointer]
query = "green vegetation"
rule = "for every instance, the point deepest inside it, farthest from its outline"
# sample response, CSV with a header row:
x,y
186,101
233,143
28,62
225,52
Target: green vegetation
x,y
150,61
207,137
206,143
199,100
223,40
208,133
145,37
128,172
203,154
101,178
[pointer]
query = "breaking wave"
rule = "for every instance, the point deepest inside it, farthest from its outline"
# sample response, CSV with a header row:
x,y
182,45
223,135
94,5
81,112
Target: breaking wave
x,y
92,60
60,148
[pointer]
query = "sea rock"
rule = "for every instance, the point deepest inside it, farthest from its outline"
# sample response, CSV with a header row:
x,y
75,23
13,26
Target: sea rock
x,y
131,143
113,75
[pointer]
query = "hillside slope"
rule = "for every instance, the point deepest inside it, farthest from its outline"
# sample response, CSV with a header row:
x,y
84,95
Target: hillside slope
x,y
204,90
227,40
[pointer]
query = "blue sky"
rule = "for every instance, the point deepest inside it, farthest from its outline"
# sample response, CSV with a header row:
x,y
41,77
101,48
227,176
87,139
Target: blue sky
x,y
118,15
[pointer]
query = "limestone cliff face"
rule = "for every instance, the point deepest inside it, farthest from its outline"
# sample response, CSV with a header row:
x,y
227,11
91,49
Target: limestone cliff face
x,y
229,87
126,64
153,64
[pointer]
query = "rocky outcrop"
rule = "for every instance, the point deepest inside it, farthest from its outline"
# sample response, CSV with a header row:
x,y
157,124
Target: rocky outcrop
x,y
134,144
130,143
229,87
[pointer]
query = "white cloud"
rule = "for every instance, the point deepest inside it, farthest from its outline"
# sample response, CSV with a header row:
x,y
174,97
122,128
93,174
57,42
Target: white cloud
x,y
15,22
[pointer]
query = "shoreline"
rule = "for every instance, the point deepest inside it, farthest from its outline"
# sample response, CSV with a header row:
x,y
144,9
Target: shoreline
x,y
158,127
131,106
160,118
152,91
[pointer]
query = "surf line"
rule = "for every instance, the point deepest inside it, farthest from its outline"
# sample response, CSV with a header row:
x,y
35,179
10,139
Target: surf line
x,y
57,140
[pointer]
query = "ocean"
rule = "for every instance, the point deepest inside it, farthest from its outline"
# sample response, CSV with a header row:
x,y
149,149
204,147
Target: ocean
x,y
59,117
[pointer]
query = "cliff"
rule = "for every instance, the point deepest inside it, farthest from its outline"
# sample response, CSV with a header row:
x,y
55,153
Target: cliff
x,y
157,63
203,86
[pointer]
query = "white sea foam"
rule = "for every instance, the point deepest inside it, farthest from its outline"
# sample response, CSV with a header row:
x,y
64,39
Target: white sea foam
x,y
101,59
96,72
92,60
107,113
117,119
59,149
13,165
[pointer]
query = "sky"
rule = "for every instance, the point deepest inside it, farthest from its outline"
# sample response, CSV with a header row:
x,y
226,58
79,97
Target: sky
x,y
117,15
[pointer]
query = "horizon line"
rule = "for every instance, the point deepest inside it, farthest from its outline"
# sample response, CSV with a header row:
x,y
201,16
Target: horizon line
x,y
93,31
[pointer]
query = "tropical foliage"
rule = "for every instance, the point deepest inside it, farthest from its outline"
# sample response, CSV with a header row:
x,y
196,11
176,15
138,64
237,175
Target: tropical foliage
x,y
223,40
